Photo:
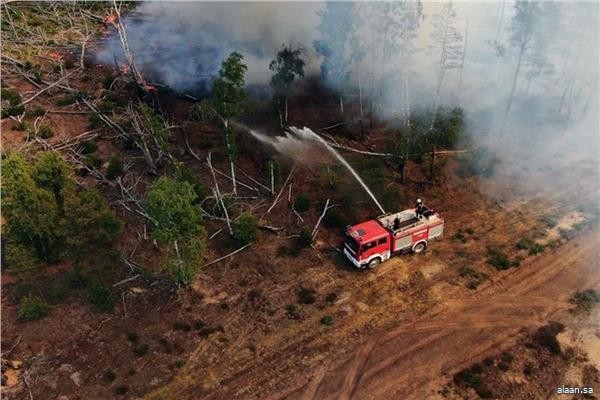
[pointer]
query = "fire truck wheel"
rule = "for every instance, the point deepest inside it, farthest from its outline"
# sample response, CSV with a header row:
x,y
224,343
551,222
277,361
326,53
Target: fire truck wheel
x,y
419,247
374,263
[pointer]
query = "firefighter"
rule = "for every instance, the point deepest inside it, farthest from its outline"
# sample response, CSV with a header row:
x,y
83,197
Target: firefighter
x,y
419,208
396,224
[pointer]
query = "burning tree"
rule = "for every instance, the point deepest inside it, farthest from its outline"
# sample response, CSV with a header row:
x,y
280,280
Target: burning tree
x,y
339,44
448,40
287,66
526,44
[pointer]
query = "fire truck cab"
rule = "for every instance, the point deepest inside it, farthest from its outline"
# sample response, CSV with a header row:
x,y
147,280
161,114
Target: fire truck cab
x,y
372,242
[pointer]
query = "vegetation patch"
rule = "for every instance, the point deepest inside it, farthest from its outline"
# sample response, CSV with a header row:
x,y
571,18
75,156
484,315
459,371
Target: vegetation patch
x,y
302,203
585,300
245,229
327,320
546,336
33,308
474,277
307,295
529,245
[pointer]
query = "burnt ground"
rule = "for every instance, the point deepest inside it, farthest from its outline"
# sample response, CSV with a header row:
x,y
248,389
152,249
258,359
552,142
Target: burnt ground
x,y
401,331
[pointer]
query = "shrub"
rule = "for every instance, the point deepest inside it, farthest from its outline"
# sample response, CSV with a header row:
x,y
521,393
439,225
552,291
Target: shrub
x,y
88,146
334,219
182,173
546,336
502,366
302,203
94,121
245,228
331,297
121,390
140,350
586,299
327,320
20,126
102,297
76,278
306,296
132,337
32,308
171,205
475,278
115,167
93,162
199,324
35,112
13,104
292,311
549,220
498,259
45,132
109,376
181,326
59,291
305,238
530,245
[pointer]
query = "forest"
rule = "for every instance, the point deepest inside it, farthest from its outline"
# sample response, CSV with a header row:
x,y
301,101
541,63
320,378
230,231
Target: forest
x,y
153,160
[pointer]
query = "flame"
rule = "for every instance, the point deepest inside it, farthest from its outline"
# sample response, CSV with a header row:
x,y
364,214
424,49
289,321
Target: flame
x,y
150,88
111,18
55,55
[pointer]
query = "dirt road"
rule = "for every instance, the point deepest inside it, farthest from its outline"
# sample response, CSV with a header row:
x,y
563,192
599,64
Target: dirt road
x,y
413,360
416,358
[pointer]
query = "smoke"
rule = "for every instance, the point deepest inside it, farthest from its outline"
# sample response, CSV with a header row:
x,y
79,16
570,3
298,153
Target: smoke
x,y
548,135
182,44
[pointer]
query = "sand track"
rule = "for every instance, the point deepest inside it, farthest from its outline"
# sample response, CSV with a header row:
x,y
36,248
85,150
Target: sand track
x,y
414,359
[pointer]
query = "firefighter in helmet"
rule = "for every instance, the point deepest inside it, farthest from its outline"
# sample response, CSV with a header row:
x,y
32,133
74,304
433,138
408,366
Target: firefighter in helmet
x,y
419,208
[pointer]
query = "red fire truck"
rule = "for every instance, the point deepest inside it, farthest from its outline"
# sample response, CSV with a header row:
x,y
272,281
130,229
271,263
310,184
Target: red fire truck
x,y
372,242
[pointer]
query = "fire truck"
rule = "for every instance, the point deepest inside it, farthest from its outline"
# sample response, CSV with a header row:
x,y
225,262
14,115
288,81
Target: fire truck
x,y
370,243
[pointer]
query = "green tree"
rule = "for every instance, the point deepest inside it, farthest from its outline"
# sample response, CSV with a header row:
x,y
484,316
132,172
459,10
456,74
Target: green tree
x,y
170,204
31,214
228,100
287,66
93,225
52,173
178,224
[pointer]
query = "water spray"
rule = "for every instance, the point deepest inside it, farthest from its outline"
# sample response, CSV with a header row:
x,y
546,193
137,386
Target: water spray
x,y
307,132
294,139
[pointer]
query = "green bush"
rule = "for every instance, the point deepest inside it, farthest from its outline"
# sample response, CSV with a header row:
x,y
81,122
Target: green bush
x,y
171,205
45,132
475,278
586,299
88,146
302,203
182,173
305,238
307,295
529,245
102,297
498,259
11,103
549,220
94,121
93,162
334,219
292,311
115,167
35,112
327,320
245,229
32,308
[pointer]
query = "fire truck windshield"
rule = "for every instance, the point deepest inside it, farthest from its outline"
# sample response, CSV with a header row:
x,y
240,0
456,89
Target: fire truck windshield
x,y
351,243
